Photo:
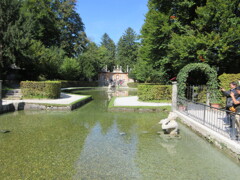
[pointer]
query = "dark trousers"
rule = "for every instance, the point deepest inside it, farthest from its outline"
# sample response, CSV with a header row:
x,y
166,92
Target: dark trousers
x,y
229,117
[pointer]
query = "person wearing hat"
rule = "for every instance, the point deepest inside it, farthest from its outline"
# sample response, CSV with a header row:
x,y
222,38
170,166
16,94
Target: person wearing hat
x,y
236,107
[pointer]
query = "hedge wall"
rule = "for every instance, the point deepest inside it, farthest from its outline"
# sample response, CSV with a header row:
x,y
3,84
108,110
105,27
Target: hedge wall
x,y
132,85
66,84
226,79
41,89
154,92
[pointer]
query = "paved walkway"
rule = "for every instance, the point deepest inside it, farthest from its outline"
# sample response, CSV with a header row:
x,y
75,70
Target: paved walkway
x,y
64,99
133,101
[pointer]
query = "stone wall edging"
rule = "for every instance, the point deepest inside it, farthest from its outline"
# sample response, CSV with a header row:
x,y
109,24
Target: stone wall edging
x,y
32,106
125,109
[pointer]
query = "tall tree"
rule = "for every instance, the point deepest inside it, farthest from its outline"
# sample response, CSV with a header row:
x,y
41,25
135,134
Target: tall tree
x,y
15,34
127,49
72,36
155,35
45,20
57,24
219,22
108,49
179,32
90,61
213,38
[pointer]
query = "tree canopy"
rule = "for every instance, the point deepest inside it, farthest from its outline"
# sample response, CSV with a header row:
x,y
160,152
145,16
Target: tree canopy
x,y
179,32
38,36
127,49
45,39
108,51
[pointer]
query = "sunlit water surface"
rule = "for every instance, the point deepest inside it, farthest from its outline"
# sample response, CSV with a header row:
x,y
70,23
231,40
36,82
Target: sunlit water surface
x,y
92,143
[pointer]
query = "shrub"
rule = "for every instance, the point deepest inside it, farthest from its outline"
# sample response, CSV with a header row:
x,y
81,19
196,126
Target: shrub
x,y
41,89
226,79
70,69
148,92
65,84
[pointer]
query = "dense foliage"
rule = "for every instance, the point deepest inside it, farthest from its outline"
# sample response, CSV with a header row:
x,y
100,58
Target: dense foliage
x,y
45,39
127,50
15,34
42,89
107,51
226,79
180,32
40,38
65,84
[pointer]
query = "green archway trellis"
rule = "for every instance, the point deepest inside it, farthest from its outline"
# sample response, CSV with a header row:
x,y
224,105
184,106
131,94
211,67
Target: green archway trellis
x,y
212,82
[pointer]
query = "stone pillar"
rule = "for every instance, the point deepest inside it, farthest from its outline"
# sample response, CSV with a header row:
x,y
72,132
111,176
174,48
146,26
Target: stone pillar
x,y
174,95
208,99
1,96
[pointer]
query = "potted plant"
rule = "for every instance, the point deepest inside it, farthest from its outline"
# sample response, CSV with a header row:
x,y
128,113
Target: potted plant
x,y
181,105
215,99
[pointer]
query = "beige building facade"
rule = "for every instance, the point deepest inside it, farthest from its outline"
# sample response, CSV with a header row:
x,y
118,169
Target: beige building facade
x,y
116,77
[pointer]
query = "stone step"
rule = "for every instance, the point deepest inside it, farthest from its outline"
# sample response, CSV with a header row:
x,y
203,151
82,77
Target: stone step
x,y
13,98
14,91
13,94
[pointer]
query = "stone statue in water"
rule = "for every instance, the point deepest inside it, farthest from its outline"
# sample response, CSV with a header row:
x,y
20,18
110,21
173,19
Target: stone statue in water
x,y
169,125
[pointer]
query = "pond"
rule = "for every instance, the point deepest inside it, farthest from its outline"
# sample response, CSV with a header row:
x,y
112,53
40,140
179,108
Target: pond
x,y
92,143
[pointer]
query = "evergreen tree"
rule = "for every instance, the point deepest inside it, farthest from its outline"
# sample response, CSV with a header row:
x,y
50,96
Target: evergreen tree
x,y
37,35
15,34
57,24
89,61
219,23
70,69
108,51
213,38
179,32
72,36
127,49
45,21
155,35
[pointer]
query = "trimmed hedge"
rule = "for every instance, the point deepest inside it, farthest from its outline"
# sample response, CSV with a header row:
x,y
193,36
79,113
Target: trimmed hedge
x,y
65,84
226,79
132,85
148,92
41,89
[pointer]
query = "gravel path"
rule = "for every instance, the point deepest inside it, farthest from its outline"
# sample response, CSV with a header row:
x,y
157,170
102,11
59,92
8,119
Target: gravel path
x,y
64,99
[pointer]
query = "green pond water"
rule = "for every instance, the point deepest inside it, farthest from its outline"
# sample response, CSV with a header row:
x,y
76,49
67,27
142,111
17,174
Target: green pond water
x,y
92,143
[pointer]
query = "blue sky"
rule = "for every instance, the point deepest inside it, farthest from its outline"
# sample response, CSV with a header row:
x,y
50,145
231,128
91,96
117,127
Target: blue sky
x,y
111,16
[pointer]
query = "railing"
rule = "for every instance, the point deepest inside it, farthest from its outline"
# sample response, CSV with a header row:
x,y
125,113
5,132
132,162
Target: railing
x,y
219,120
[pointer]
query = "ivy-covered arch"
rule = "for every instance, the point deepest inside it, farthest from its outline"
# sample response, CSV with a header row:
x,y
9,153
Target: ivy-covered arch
x,y
212,82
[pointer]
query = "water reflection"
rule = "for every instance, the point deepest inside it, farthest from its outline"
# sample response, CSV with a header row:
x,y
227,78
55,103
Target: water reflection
x,y
116,93
107,156
92,143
